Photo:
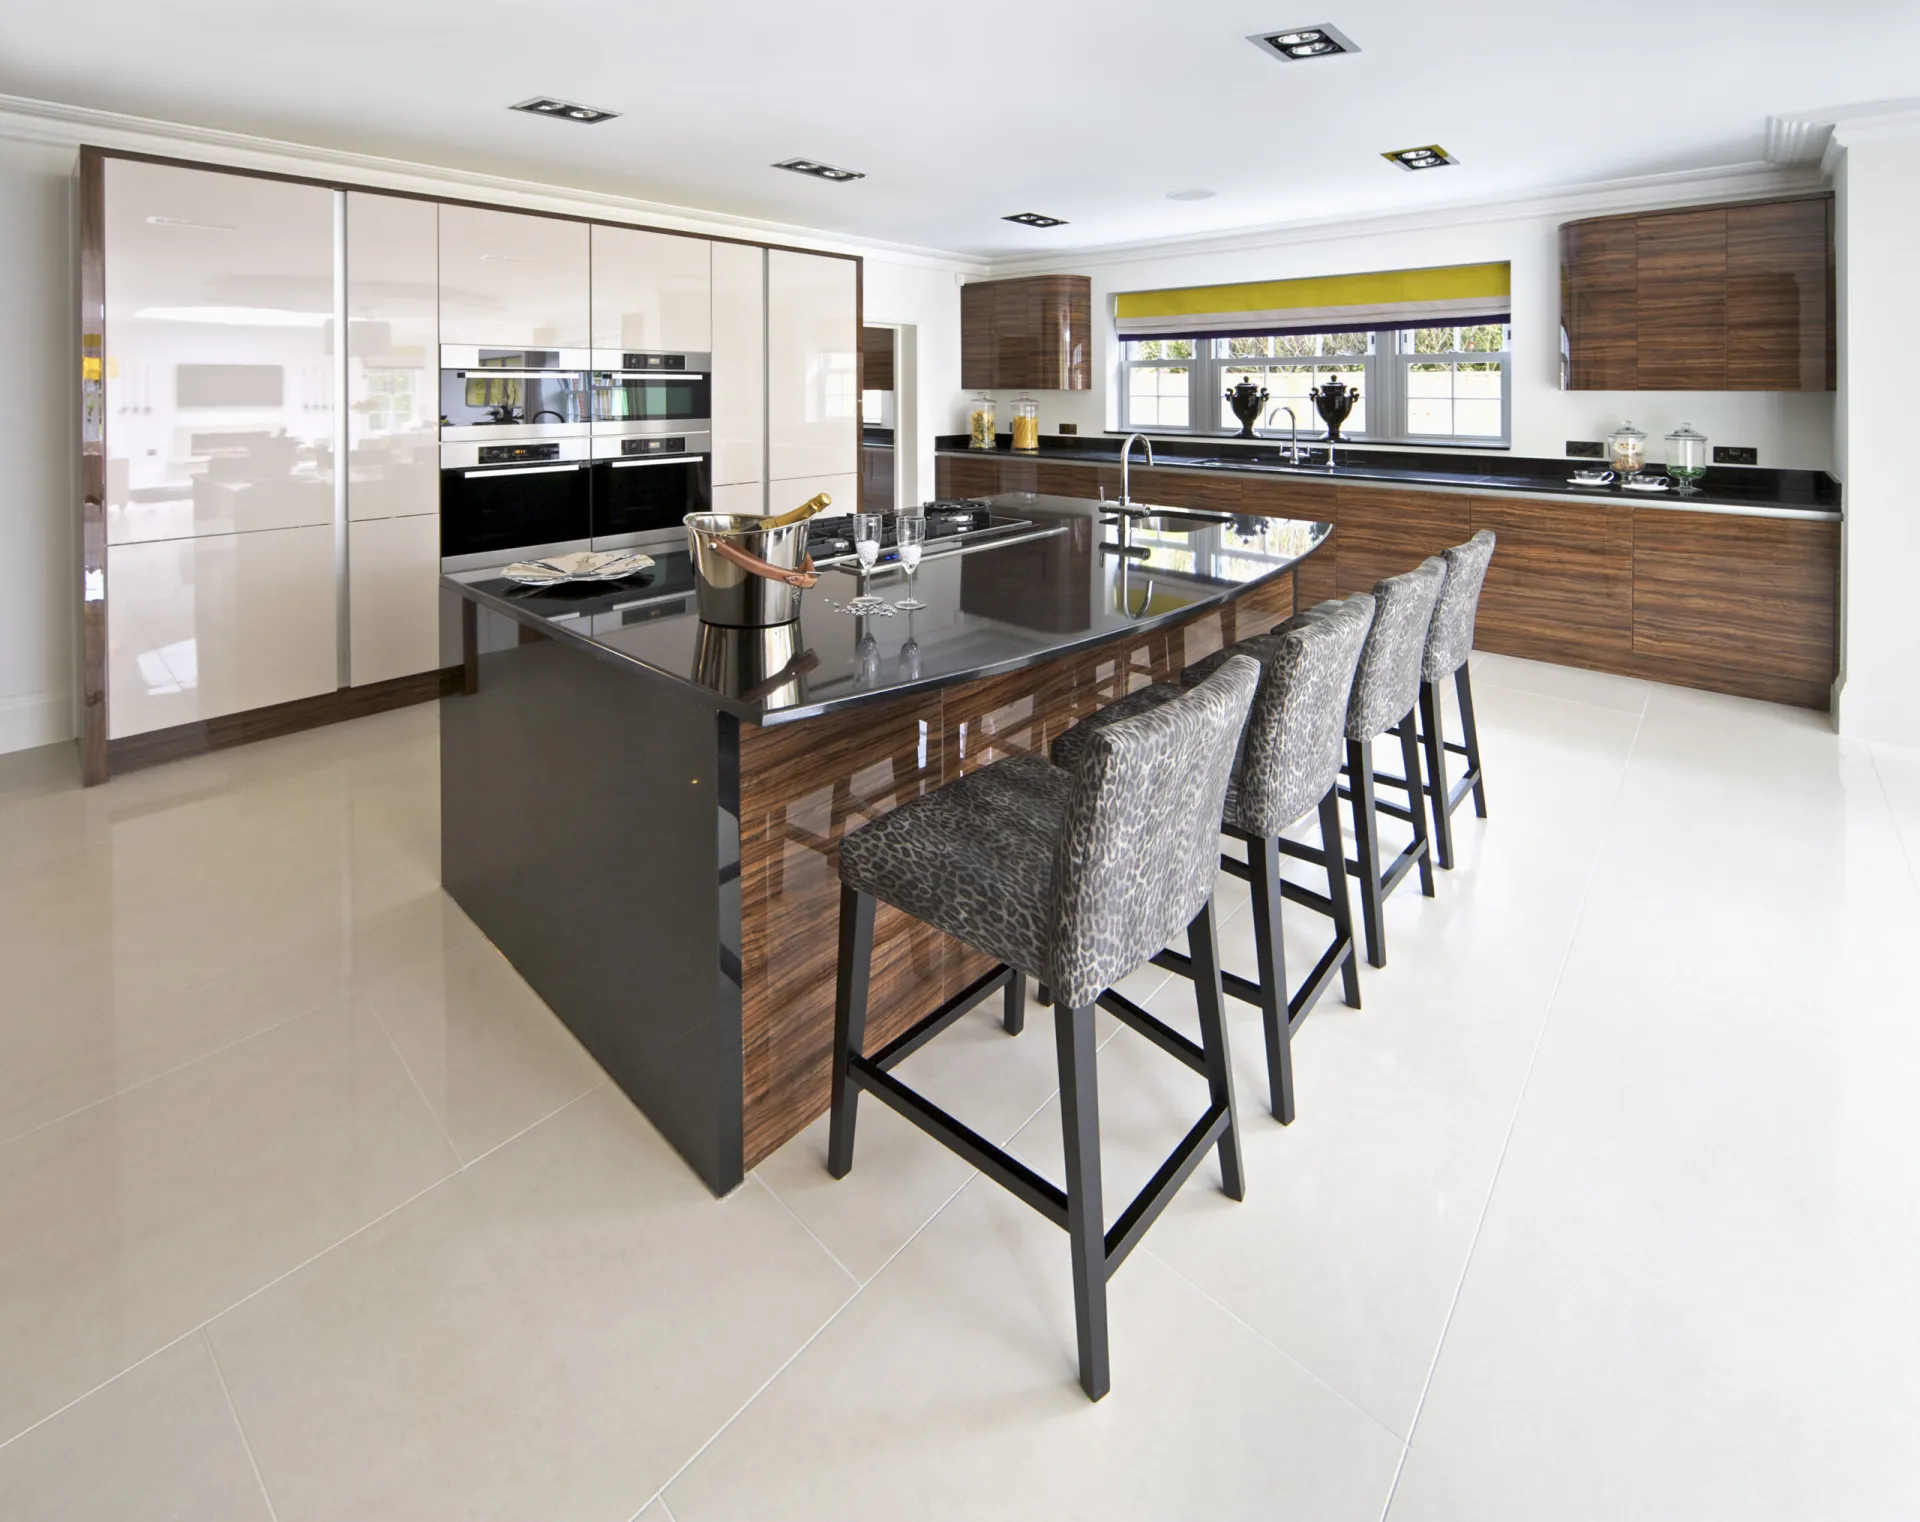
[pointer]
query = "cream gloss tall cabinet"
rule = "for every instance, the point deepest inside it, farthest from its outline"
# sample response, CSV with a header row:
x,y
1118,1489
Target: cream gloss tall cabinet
x,y
219,418
739,378
393,438
813,396
510,279
651,291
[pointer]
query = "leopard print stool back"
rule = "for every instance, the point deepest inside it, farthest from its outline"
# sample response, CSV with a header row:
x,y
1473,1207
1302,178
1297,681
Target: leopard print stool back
x,y
1388,679
1450,639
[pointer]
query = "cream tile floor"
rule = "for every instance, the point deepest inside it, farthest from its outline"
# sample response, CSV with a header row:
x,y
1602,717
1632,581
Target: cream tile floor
x,y
1602,1206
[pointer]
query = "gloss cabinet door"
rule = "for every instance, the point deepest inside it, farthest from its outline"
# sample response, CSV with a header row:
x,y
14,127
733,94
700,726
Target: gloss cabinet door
x,y
216,625
393,594
652,291
393,346
509,279
219,359
739,364
813,343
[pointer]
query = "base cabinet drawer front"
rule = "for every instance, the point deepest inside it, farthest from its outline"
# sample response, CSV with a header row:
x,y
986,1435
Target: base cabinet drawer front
x,y
1714,593
963,476
1560,587
652,291
198,628
1384,533
1184,488
509,278
393,593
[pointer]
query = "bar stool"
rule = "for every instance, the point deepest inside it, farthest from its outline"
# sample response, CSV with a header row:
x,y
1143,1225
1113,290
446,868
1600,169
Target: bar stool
x,y
1288,765
1449,644
1386,687
1074,878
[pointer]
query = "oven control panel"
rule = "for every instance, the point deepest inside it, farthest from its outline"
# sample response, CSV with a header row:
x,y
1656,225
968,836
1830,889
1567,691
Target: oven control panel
x,y
508,454
653,446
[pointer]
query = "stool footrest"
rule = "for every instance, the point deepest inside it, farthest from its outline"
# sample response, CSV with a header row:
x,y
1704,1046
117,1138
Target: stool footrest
x,y
1153,1027
924,1030
1159,1191
1004,1169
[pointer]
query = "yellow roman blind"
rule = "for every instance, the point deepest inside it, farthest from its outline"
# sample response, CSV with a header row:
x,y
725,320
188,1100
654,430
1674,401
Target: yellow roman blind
x,y
1439,297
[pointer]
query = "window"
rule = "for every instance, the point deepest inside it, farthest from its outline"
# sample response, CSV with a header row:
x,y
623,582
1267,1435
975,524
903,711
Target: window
x,y
1417,385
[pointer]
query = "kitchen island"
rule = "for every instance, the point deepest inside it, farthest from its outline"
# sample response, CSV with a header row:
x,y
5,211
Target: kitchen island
x,y
643,811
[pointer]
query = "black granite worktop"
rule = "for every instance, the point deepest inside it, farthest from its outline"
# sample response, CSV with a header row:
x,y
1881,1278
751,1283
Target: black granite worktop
x,y
1737,488
1078,578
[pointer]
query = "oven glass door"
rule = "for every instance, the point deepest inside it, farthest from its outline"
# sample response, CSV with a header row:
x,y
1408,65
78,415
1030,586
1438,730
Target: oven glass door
x,y
505,398
634,396
513,507
644,496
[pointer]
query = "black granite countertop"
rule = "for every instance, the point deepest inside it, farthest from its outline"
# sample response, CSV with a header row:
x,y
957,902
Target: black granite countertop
x,y
1079,580
1792,493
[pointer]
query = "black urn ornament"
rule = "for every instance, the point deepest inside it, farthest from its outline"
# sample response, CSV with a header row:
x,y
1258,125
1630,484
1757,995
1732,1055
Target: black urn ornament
x,y
1335,404
1247,399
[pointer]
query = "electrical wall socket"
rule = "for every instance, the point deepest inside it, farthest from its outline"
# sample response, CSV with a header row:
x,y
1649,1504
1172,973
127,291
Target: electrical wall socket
x,y
1735,454
1586,449
1069,427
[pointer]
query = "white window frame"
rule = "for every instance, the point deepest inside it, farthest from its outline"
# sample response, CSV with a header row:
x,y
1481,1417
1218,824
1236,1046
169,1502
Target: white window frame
x,y
1383,382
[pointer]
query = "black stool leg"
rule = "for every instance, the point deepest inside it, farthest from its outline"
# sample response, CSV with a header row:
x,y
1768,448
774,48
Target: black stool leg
x,y
1204,947
1439,792
1366,842
1043,993
1463,688
1263,856
1086,1218
849,1022
1014,1015
1336,856
1410,759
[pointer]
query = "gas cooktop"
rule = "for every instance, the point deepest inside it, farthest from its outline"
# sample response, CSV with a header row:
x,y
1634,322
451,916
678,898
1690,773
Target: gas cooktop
x,y
963,518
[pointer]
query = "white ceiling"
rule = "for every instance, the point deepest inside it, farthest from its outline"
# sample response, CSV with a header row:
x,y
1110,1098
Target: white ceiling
x,y
961,114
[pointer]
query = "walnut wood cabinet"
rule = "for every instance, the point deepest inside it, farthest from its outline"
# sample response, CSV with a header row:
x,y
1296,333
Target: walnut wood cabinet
x,y
1034,333
1706,298
1741,605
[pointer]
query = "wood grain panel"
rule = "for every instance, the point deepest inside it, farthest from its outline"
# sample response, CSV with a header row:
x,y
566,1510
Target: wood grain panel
x,y
1714,595
1062,313
1315,579
1383,533
1560,587
1599,304
1780,331
876,359
967,475
92,212
1034,333
978,300
1682,300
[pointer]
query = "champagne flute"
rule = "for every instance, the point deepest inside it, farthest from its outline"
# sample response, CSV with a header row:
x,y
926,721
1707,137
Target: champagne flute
x,y
867,529
910,530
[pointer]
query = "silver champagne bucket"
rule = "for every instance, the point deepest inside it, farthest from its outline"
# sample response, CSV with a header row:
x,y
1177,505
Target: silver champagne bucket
x,y
748,571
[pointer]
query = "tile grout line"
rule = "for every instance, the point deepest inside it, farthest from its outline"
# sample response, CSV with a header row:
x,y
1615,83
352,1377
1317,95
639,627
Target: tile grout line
x,y
380,1021
239,1426
813,1236
1899,834
1513,1121
288,1273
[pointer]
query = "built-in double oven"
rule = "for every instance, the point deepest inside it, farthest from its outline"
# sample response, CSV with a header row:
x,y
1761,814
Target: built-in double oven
x,y
543,451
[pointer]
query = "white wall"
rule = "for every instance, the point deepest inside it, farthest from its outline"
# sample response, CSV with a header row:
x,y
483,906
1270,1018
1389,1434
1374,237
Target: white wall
x,y
1792,430
927,301
1878,186
39,399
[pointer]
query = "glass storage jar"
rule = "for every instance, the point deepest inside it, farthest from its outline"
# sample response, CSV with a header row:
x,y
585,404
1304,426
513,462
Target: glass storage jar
x,y
1687,457
1627,450
980,424
1026,426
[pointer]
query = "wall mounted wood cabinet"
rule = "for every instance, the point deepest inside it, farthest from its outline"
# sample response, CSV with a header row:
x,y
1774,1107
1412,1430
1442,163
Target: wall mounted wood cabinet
x,y
1705,298
1031,334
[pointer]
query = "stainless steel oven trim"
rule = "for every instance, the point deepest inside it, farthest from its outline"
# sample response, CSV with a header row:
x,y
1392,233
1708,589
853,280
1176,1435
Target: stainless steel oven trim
x,y
659,375
614,361
524,470
608,437
512,433
647,460
465,455
468,357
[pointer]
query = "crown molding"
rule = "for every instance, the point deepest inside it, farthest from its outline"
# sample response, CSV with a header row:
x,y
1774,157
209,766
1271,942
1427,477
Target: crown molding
x,y
1696,186
63,126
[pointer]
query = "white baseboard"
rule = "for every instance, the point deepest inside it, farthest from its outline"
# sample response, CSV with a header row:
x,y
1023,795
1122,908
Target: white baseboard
x,y
33,719
1891,718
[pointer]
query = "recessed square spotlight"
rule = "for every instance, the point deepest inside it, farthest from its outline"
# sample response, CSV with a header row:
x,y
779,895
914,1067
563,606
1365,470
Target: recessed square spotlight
x,y
819,171
1294,43
1034,219
566,111
1432,156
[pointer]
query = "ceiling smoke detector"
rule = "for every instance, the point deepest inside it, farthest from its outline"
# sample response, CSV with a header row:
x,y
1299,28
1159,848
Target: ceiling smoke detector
x,y
1034,219
819,171
1432,156
1294,43
564,110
